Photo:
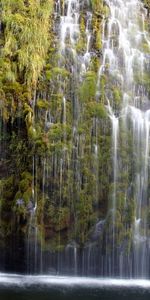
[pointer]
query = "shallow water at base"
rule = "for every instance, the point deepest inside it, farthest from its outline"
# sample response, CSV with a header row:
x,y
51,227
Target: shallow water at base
x,y
14,287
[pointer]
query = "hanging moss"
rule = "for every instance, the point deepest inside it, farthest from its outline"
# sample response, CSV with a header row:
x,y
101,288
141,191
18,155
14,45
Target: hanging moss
x,y
27,36
70,143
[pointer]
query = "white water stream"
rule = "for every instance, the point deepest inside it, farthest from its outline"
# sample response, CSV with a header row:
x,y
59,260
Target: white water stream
x,y
126,60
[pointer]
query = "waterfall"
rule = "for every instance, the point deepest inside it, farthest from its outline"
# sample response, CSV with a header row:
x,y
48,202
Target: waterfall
x,y
119,244
80,195
125,64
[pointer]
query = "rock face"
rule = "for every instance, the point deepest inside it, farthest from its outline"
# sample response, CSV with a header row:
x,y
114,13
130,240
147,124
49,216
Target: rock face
x,y
74,137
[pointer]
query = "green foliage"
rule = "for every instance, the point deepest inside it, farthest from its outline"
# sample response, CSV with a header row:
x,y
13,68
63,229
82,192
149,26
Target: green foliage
x,y
96,110
117,96
26,36
88,89
72,170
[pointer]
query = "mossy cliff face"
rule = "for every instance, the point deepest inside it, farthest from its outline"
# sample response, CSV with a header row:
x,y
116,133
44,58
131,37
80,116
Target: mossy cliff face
x,y
56,144
147,4
44,161
25,40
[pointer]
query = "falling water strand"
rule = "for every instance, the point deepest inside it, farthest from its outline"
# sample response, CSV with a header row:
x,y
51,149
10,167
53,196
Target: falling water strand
x,y
125,62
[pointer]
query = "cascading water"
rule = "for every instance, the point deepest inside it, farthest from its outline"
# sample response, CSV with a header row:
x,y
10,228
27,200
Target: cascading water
x,y
125,64
83,204
119,244
59,165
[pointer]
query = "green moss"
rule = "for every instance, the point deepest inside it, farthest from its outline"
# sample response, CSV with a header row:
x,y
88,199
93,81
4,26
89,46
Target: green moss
x,y
73,161
88,89
60,71
24,184
62,218
27,36
96,109
117,95
27,195
42,104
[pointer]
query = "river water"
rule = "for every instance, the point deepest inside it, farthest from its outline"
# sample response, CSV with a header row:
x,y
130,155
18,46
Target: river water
x,y
16,287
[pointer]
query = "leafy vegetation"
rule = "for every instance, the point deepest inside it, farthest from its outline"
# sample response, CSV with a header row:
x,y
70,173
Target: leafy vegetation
x,y
55,134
